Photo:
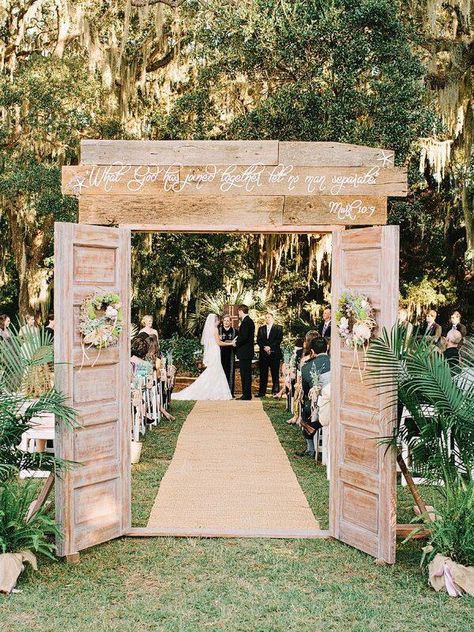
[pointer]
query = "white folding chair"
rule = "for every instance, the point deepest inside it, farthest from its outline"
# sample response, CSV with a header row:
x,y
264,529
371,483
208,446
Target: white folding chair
x,y
428,411
42,429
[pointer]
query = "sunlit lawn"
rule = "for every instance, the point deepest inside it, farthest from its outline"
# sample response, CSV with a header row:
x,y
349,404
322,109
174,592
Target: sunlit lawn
x,y
191,585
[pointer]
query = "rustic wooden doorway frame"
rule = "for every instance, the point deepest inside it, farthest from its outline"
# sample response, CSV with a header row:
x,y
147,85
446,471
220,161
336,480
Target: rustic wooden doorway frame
x,y
276,187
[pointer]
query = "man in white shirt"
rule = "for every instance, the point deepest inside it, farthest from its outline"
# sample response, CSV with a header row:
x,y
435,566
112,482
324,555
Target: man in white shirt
x,y
269,338
325,326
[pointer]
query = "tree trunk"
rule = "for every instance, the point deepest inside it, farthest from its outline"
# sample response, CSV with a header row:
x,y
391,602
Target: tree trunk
x,y
29,243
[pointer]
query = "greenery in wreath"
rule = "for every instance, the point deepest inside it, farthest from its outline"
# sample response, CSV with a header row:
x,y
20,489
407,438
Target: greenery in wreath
x,y
101,320
355,319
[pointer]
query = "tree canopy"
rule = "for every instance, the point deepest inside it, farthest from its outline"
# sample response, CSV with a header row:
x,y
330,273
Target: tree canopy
x,y
372,72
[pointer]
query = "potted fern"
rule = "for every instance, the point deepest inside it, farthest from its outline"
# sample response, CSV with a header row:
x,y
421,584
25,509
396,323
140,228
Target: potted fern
x,y
440,402
23,533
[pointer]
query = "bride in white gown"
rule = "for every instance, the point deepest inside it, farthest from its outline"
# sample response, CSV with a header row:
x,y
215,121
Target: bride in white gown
x,y
212,383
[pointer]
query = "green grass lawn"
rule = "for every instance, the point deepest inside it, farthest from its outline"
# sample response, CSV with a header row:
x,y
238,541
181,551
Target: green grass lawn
x,y
189,585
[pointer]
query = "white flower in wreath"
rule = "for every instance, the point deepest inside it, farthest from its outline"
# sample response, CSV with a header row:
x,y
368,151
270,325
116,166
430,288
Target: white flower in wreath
x,y
344,323
111,312
362,331
364,304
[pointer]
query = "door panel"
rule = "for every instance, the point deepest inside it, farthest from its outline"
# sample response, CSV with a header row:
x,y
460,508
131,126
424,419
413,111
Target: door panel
x,y
363,473
93,497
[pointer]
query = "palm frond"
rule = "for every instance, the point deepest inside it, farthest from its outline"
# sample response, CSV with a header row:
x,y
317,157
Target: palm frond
x,y
439,402
20,359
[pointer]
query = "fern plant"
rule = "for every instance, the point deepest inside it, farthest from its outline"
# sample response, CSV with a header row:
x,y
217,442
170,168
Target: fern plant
x,y
17,532
452,533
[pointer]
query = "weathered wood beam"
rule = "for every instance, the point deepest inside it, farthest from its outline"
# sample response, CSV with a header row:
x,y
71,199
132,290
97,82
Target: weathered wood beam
x,y
181,210
347,210
232,180
315,229
231,213
183,152
327,154
404,530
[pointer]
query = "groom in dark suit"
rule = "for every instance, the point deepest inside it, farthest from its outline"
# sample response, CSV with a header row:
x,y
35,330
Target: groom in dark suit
x,y
244,350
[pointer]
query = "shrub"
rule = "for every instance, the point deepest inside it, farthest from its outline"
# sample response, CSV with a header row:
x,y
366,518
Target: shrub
x,y
452,533
16,532
187,352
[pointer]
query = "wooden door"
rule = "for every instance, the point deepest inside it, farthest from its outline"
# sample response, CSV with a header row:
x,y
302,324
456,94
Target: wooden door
x,y
92,498
363,473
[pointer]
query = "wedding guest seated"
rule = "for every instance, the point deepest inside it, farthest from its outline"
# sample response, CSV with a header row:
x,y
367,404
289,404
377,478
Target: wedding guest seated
x,y
147,326
290,371
140,366
432,331
457,325
451,353
319,364
298,349
306,353
404,323
29,327
144,357
5,334
49,327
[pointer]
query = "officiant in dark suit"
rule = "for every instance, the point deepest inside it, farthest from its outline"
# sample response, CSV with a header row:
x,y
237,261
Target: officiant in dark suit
x,y
244,350
227,333
269,338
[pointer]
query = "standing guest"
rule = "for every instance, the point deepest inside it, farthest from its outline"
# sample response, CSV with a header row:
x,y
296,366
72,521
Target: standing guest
x,y
244,345
325,327
147,326
451,353
29,327
269,339
49,328
319,363
456,325
227,333
433,331
404,323
5,334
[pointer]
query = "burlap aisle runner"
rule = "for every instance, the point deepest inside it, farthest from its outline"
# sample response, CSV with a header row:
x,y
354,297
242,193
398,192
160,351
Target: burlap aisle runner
x,y
229,477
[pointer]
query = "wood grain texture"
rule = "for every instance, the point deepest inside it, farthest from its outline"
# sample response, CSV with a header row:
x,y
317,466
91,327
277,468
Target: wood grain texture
x,y
189,153
363,475
193,213
183,152
117,179
344,210
233,180
292,180
181,210
328,154
231,228
93,499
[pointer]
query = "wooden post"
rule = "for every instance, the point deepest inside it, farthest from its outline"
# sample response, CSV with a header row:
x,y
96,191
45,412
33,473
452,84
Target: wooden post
x,y
42,497
413,489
